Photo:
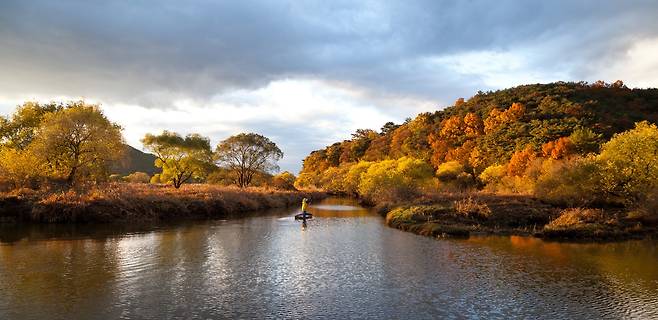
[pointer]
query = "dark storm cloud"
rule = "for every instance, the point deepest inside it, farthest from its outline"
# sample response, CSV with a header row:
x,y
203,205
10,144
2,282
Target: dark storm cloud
x,y
151,52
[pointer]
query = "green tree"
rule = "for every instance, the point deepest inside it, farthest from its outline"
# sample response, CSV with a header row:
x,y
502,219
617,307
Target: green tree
x,y
247,154
585,140
181,158
78,141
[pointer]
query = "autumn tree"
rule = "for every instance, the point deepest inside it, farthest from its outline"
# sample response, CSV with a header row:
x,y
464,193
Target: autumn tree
x,y
181,158
247,154
19,130
20,168
629,163
394,180
284,180
520,161
77,141
558,149
473,125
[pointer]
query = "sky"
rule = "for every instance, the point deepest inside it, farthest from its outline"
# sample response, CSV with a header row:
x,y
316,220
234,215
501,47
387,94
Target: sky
x,y
307,73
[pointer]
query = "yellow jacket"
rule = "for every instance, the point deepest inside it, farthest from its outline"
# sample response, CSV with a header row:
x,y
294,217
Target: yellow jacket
x,y
304,205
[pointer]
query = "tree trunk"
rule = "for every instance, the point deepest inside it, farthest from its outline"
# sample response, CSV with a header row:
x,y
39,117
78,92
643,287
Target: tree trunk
x,y
71,178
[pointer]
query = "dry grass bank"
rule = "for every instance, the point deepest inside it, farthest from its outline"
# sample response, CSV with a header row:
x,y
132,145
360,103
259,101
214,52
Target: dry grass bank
x,y
124,202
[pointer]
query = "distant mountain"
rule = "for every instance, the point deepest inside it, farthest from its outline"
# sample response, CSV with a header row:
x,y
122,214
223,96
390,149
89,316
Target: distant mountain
x,y
134,161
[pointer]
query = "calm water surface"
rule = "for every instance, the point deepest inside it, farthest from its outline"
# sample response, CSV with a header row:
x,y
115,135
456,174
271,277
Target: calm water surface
x,y
345,264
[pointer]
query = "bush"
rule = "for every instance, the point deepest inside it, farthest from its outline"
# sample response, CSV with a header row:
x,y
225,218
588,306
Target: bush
x,y
307,180
492,176
448,171
571,182
155,179
137,177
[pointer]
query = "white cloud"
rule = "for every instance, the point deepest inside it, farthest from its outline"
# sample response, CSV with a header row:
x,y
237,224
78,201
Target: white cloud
x,y
637,67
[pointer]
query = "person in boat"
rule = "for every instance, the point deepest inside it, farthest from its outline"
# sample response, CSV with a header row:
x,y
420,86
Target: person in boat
x,y
304,206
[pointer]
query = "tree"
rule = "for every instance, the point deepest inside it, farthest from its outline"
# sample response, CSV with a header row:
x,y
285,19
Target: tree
x,y
181,159
19,131
585,141
246,154
520,161
77,141
629,163
284,180
20,167
395,180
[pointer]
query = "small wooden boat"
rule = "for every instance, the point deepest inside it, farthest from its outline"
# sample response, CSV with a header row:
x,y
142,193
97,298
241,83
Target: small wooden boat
x,y
303,216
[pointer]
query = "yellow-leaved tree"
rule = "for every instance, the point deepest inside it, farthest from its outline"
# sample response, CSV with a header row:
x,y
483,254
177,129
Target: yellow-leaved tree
x,y
394,180
181,158
629,163
77,142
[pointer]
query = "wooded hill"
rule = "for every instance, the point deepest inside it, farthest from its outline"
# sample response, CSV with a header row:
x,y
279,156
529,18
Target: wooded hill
x,y
553,120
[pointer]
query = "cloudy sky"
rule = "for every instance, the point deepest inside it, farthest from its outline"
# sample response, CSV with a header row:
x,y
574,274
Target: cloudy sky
x,y
307,73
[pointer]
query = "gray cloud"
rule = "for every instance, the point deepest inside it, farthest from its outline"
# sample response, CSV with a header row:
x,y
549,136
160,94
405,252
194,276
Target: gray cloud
x,y
152,53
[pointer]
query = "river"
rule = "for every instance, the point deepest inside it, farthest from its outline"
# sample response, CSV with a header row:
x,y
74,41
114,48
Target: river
x,y
345,264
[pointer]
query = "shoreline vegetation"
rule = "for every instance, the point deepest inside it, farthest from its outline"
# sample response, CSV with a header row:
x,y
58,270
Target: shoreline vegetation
x,y
140,202
463,215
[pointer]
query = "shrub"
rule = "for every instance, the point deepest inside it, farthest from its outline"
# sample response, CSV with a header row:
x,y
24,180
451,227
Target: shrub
x,y
137,177
573,182
332,179
492,176
449,170
155,179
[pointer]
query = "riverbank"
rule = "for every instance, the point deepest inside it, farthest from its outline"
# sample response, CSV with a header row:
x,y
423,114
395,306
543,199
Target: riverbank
x,y
461,215
132,202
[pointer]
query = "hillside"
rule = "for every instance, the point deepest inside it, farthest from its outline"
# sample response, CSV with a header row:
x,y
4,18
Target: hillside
x,y
135,161
553,120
